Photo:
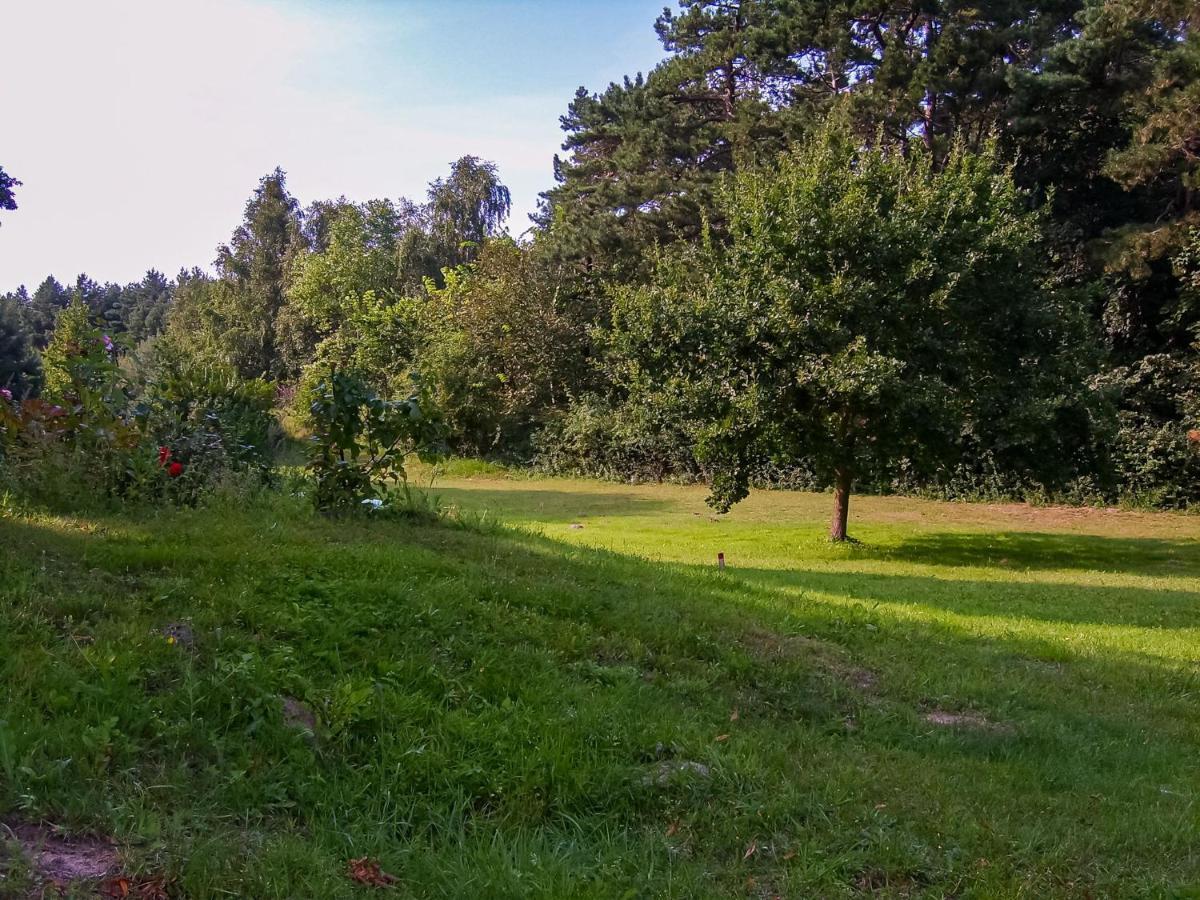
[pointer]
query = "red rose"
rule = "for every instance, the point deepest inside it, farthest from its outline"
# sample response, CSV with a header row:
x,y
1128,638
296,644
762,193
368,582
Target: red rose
x,y
164,454
175,469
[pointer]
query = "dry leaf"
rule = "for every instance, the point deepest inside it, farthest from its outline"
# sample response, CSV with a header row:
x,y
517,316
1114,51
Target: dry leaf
x,y
751,850
673,828
143,889
791,854
721,737
733,716
367,871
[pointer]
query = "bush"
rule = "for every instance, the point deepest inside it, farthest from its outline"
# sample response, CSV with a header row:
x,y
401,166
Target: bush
x,y
498,352
206,403
96,437
1156,450
629,442
361,441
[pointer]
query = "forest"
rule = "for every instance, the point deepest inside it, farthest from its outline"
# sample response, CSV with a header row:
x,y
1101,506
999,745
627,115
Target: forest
x,y
943,250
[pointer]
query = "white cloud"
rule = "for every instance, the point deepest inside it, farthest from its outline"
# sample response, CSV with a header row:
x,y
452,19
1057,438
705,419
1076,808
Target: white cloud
x,y
139,129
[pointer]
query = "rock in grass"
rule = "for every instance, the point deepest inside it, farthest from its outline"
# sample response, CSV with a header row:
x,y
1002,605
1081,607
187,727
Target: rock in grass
x,y
671,770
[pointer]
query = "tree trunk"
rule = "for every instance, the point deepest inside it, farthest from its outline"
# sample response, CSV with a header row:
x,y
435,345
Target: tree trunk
x,y
841,504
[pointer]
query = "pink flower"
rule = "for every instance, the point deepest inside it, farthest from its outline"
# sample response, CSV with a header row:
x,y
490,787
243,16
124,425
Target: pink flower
x,y
108,344
6,394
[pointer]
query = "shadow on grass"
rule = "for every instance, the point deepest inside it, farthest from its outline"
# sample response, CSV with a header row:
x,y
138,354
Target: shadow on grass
x,y
652,653
1017,550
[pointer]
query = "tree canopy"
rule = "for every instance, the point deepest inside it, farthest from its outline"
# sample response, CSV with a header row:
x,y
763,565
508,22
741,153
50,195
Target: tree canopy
x,y
873,308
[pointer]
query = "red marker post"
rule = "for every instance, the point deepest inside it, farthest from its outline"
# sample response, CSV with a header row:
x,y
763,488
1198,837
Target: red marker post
x,y
720,560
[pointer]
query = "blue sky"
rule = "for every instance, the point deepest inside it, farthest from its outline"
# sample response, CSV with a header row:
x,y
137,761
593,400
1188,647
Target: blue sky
x,y
140,127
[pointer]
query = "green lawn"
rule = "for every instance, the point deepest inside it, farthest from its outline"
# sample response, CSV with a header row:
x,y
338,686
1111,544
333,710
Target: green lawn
x,y
565,697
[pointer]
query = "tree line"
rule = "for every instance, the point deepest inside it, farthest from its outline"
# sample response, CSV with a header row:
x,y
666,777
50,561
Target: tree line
x,y
933,246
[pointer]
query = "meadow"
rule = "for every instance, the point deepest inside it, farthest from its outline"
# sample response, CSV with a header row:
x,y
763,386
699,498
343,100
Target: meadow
x,y
555,692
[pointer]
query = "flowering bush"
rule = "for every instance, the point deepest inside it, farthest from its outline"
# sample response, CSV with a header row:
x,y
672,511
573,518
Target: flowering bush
x,y
97,434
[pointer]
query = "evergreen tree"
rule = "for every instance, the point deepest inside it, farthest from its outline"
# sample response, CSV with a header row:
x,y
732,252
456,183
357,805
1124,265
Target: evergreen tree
x,y
253,268
47,302
20,370
144,306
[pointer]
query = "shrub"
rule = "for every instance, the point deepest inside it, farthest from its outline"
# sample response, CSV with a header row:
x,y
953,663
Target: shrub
x,y
498,352
95,437
1155,454
206,403
626,442
361,441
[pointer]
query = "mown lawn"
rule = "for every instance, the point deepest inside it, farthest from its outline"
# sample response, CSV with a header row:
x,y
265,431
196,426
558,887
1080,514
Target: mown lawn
x,y
565,697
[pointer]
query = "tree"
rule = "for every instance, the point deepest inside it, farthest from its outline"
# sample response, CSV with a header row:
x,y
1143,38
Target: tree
x,y
465,209
1163,155
873,309
8,199
640,171
144,306
253,268
746,77
47,302
20,371
358,256
498,353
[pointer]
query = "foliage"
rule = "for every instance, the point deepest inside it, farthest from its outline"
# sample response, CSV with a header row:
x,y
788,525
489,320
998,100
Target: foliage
x,y
1156,451
465,209
360,442
244,302
180,396
80,363
173,434
20,368
863,316
625,441
359,256
8,199
498,353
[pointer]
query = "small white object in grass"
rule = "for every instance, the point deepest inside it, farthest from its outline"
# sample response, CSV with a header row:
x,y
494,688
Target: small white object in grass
x,y
373,502
576,525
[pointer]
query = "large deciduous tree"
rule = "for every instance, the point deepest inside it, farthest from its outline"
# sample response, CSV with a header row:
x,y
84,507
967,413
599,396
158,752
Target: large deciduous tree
x,y
873,309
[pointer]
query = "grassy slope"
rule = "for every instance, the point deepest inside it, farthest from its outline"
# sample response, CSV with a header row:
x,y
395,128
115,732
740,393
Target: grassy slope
x,y
496,704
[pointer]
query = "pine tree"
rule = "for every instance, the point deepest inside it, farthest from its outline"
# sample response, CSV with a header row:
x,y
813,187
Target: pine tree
x,y
20,371
253,268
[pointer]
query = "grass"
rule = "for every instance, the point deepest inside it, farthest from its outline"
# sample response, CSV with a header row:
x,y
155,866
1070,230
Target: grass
x,y
976,701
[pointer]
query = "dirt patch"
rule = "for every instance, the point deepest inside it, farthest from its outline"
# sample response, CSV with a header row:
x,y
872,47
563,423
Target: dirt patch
x,y
179,634
766,644
60,859
297,715
968,719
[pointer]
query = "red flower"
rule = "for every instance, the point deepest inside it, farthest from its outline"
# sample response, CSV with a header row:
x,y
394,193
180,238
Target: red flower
x,y
175,469
164,454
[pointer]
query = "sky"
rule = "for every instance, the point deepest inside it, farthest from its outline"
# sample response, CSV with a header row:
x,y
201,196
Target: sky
x,y
139,128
